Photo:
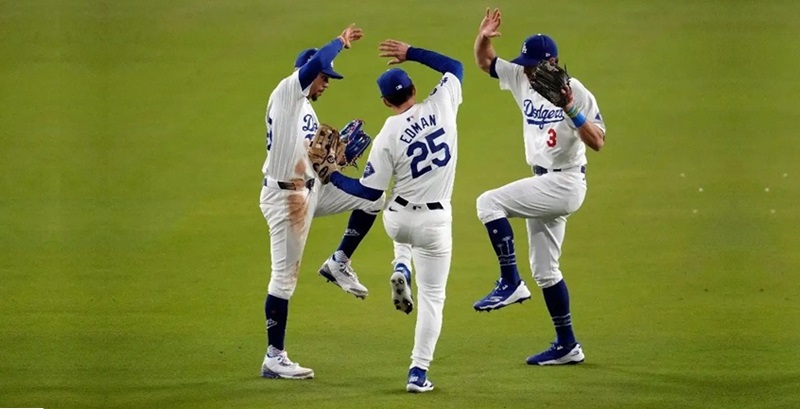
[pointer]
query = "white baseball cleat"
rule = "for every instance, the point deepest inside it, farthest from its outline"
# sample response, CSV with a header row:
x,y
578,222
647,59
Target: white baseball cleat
x,y
342,274
401,292
281,367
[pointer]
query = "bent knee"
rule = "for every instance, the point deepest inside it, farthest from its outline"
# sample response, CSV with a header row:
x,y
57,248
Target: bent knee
x,y
489,207
376,206
282,288
546,277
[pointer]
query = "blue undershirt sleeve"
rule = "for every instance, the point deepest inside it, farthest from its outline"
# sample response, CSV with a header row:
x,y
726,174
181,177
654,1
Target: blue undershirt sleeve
x,y
436,61
493,68
354,187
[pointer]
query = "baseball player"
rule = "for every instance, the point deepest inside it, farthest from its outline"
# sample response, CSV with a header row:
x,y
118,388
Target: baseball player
x,y
418,145
555,139
291,194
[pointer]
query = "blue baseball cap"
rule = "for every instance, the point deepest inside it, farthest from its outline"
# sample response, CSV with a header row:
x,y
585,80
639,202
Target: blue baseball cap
x,y
393,80
536,48
306,55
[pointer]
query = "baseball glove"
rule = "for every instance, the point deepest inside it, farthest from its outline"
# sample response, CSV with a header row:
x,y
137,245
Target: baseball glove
x,y
548,80
324,151
353,141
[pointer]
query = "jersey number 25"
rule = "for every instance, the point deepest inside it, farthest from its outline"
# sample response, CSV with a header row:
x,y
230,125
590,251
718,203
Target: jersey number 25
x,y
419,151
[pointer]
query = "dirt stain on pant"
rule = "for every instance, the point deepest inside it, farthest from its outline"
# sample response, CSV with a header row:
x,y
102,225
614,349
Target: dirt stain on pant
x,y
297,201
298,212
294,273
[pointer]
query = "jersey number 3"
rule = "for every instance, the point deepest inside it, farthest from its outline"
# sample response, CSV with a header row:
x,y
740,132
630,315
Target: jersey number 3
x,y
551,141
419,151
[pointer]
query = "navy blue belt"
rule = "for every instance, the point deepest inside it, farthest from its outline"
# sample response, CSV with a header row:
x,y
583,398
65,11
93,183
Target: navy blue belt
x,y
291,186
539,171
432,206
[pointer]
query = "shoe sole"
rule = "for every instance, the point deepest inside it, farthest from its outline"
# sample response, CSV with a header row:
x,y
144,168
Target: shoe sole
x,y
273,375
418,389
325,272
401,293
555,362
525,296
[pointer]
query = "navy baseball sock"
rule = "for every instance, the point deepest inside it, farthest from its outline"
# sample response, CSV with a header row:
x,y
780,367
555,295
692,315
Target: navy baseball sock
x,y
276,310
401,267
357,227
502,238
557,300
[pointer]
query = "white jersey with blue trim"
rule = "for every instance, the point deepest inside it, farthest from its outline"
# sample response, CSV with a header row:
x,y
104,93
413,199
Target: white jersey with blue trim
x,y
291,124
551,139
419,148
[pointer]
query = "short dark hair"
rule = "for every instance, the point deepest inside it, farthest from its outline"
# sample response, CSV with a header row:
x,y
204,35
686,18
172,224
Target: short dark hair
x,y
400,97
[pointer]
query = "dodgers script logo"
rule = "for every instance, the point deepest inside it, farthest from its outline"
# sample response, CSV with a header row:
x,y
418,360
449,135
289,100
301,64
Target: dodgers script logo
x,y
541,116
309,125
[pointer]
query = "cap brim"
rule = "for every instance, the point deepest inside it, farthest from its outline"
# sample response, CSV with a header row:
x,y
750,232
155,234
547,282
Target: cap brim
x,y
333,74
525,61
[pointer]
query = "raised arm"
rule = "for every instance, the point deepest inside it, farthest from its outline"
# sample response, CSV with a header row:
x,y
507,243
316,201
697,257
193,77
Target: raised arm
x,y
436,61
400,51
484,51
323,58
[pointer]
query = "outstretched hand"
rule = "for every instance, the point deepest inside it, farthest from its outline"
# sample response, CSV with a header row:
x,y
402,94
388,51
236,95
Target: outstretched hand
x,y
396,50
350,34
490,24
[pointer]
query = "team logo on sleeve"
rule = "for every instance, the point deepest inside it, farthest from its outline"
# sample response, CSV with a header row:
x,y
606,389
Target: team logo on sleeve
x,y
442,82
368,170
598,117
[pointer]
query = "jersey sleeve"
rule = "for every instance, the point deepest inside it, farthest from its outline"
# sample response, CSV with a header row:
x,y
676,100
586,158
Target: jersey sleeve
x,y
587,104
447,92
511,75
379,169
290,91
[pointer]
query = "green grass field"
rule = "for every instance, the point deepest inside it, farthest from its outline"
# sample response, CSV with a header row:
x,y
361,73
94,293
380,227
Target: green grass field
x,y
134,258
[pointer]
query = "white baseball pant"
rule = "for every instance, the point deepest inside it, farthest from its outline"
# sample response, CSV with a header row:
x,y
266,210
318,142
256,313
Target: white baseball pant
x,y
424,236
289,214
545,201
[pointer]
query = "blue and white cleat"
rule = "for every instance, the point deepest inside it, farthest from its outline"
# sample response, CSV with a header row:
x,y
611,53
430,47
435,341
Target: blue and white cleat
x,y
401,291
418,381
558,355
503,295
343,275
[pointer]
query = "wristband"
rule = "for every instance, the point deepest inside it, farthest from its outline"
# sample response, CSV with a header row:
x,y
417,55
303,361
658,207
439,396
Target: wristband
x,y
573,112
579,120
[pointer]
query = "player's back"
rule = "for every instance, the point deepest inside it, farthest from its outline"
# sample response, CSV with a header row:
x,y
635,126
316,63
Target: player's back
x,y
423,144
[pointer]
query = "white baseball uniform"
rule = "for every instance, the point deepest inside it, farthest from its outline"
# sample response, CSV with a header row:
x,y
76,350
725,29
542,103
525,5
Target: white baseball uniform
x,y
291,124
551,142
419,148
